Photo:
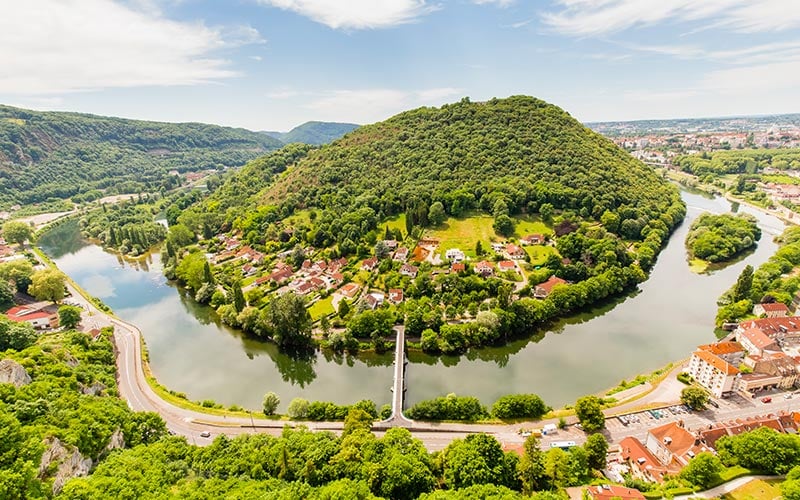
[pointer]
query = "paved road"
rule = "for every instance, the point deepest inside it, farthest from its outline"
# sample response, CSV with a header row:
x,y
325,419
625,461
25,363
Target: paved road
x,y
135,389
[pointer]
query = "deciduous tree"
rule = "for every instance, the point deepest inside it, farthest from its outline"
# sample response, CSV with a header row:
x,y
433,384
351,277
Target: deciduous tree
x,y
590,413
17,232
694,397
47,284
270,403
69,316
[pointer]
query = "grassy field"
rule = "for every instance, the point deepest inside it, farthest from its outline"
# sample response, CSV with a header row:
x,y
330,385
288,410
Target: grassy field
x,y
755,490
540,253
464,233
320,308
301,217
527,224
395,223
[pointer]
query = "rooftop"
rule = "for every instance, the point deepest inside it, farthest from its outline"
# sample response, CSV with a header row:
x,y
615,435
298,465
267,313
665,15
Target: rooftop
x,y
718,363
722,348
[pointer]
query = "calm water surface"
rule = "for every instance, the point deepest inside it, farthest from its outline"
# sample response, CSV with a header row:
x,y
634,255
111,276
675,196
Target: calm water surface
x,y
192,352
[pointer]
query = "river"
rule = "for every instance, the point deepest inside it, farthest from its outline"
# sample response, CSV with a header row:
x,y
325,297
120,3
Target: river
x,y
192,352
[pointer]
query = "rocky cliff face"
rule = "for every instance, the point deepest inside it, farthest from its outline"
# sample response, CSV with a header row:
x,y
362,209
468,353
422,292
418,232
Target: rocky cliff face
x,y
64,462
13,373
67,463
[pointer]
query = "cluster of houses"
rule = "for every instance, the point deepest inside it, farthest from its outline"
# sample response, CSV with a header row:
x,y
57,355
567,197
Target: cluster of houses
x,y
763,354
322,275
668,448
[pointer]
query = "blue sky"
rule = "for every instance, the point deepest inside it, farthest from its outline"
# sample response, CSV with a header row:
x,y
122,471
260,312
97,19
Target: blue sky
x,y
273,64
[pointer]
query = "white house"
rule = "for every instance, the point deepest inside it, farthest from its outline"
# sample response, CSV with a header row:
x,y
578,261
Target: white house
x,y
454,255
713,372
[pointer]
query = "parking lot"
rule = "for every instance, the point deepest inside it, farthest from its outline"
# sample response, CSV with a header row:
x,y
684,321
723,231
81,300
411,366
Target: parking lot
x,y
647,418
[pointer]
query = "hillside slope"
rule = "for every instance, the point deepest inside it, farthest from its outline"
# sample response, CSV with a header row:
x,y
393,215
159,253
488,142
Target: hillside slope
x,y
57,155
467,155
314,133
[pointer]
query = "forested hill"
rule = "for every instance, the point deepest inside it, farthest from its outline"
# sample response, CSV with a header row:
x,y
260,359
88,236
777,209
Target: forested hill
x,y
467,155
57,155
315,133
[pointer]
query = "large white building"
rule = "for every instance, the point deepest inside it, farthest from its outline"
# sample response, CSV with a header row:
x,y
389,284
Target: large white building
x,y
711,366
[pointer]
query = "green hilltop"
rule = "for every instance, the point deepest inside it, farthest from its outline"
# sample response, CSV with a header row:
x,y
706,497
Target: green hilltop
x,y
315,133
467,156
45,155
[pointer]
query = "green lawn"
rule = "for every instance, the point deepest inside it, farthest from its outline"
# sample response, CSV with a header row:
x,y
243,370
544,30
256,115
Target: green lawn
x,y
395,223
464,233
540,253
528,224
320,308
756,490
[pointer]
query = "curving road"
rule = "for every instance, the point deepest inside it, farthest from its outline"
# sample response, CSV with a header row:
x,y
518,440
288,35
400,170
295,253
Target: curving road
x,y
135,389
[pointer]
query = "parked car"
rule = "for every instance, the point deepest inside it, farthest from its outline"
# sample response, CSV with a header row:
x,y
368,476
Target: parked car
x,y
205,434
766,400
713,403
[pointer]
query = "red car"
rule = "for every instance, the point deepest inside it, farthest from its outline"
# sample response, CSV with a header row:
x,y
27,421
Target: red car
x,y
766,400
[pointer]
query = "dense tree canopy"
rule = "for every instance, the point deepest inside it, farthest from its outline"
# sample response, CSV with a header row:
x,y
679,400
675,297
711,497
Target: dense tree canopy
x,y
717,238
48,284
17,232
57,155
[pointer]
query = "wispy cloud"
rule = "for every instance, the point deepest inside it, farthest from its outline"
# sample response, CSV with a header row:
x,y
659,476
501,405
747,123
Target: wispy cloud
x,y
519,24
599,17
371,105
499,3
58,46
357,14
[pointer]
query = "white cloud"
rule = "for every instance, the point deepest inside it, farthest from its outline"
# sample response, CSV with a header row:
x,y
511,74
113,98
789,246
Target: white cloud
x,y
356,14
756,80
58,46
499,3
371,105
598,17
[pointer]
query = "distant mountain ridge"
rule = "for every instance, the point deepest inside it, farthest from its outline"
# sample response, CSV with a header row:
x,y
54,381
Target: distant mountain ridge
x,y
58,155
315,133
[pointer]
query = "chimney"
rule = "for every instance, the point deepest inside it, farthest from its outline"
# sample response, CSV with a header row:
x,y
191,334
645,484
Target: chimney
x,y
668,440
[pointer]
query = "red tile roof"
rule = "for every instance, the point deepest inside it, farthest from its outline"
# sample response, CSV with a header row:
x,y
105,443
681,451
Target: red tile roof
x,y
633,451
721,348
609,491
679,439
718,363
349,290
757,338
775,307
774,326
548,285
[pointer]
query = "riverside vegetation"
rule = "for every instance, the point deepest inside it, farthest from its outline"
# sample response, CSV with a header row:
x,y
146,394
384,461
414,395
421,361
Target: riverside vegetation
x,y
720,238
397,181
63,404
773,281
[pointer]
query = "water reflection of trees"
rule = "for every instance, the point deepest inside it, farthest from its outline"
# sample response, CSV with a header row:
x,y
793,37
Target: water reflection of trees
x,y
296,368
62,239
